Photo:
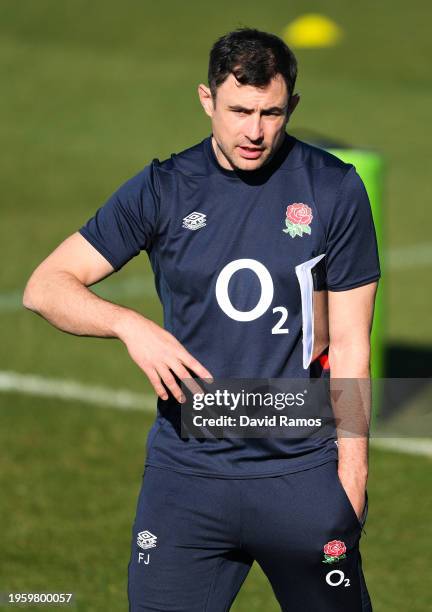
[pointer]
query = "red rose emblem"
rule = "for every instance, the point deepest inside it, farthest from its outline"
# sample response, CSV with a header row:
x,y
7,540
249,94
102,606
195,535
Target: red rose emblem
x,y
335,548
299,214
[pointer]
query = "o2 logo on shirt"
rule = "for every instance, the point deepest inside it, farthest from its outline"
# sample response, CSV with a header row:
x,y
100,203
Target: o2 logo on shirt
x,y
266,297
335,578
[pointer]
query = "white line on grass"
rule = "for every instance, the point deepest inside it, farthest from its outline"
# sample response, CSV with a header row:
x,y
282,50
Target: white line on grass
x,y
402,258
411,446
31,384
122,399
415,255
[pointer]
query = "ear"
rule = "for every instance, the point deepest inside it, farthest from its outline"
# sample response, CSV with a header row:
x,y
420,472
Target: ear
x,y
206,99
292,103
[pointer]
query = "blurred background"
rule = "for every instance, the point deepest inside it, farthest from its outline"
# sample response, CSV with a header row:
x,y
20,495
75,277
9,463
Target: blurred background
x,y
92,92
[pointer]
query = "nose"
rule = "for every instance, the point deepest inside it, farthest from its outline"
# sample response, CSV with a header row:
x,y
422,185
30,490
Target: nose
x,y
253,128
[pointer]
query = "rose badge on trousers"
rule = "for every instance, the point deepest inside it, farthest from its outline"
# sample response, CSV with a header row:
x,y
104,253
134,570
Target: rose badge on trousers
x,y
334,551
298,219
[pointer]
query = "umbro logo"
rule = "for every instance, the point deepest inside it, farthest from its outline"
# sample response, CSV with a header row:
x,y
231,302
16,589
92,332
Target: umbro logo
x,y
194,220
146,540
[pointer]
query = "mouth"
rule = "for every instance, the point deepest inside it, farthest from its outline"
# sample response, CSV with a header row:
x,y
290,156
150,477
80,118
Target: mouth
x,y
250,152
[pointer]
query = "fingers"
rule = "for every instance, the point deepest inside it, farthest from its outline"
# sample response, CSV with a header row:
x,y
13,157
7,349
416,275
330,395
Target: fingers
x,y
194,365
163,375
185,376
170,382
154,379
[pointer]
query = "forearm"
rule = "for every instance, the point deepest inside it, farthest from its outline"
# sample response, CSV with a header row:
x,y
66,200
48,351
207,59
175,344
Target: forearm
x,y
350,371
66,303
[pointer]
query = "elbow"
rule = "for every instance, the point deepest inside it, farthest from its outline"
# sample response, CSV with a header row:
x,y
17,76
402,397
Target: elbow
x,y
30,295
27,298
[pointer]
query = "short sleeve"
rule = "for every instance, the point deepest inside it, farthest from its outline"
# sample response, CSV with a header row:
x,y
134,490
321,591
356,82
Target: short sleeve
x,y
351,246
126,223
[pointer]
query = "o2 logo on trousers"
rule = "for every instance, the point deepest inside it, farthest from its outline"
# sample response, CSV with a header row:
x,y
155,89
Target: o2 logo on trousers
x,y
336,578
266,297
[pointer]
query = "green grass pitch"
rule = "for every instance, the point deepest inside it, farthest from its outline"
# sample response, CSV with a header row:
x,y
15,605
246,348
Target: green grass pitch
x,y
91,92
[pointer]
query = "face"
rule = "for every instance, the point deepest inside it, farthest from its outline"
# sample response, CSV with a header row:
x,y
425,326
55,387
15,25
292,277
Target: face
x,y
248,122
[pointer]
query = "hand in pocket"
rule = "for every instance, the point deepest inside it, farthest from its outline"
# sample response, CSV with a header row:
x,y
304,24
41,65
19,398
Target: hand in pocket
x,y
355,491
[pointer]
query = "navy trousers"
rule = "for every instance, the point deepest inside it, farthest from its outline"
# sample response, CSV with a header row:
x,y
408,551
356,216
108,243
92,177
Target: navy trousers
x,y
195,538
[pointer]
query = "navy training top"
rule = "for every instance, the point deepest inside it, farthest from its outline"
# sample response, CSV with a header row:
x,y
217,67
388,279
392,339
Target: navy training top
x,y
227,248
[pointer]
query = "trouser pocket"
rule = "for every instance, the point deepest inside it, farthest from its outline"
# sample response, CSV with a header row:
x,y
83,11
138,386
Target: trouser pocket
x,y
365,511
362,520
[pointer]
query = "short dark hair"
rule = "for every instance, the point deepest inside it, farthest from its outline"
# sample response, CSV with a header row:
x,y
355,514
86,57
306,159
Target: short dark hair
x,y
253,57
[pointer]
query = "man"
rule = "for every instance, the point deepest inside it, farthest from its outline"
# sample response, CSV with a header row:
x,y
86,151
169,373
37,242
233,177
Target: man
x,y
226,225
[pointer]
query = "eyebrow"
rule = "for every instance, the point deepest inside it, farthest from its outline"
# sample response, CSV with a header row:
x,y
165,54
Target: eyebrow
x,y
273,109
